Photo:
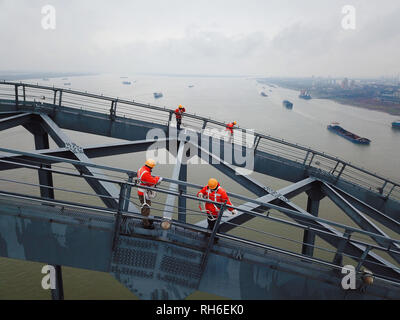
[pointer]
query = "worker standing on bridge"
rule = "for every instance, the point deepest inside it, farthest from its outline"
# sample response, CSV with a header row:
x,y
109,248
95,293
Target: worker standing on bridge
x,y
214,192
178,114
230,127
146,179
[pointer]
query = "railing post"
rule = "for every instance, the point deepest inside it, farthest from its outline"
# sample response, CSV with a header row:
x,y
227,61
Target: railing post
x,y
338,259
257,143
170,118
383,187
23,90
363,257
212,237
312,158
204,124
16,96
59,98
305,159
341,171
334,169
113,109
55,96
123,202
391,190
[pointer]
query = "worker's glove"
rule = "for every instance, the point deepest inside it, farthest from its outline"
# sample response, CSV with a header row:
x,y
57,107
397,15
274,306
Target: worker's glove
x,y
159,180
234,211
200,195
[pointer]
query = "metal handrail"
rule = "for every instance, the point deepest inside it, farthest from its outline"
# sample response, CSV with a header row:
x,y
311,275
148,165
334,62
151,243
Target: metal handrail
x,y
187,196
394,186
121,182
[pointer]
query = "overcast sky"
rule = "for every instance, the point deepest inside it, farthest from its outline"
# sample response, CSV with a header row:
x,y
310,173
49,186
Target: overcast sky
x,y
252,37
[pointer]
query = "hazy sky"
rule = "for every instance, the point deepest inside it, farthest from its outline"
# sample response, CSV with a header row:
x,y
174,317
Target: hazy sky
x,y
252,37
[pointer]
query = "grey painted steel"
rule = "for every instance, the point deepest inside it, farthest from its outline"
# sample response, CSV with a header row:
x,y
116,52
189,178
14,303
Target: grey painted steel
x,y
192,197
264,162
170,201
14,121
90,151
211,239
182,190
361,220
58,292
240,218
202,120
272,163
101,188
309,236
166,267
46,179
315,195
55,234
370,211
350,248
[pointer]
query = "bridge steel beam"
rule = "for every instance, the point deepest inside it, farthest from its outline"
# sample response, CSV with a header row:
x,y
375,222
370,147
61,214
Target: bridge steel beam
x,y
86,243
273,198
373,213
6,114
351,248
264,162
375,263
182,189
90,151
99,123
332,236
360,219
106,189
228,169
46,179
314,197
15,120
170,201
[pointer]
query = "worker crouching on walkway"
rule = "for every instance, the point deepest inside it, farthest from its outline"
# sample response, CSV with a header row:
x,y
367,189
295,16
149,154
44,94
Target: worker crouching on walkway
x,y
230,127
178,114
214,192
146,179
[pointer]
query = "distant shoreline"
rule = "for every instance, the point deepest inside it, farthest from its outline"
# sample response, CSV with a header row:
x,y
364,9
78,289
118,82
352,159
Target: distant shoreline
x,y
9,76
369,104
392,109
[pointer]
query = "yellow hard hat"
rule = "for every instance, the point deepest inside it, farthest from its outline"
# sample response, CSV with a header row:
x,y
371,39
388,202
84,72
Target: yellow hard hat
x,y
234,122
212,183
180,106
150,163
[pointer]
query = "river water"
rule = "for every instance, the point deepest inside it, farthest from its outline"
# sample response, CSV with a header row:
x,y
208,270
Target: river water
x,y
225,99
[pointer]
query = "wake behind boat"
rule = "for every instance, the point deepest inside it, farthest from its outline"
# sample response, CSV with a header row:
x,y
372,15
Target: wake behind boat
x,y
334,127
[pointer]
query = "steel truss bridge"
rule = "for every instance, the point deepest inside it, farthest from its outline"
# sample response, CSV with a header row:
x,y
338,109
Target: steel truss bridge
x,y
173,263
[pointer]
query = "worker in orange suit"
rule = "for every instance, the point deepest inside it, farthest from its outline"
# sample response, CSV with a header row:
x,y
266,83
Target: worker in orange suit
x,y
146,179
230,127
178,114
214,192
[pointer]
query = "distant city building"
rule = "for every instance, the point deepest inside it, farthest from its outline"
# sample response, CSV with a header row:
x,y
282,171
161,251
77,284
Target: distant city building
x,y
390,95
345,83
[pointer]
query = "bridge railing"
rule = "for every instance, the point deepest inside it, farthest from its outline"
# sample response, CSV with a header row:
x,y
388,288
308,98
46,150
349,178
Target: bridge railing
x,y
121,177
338,168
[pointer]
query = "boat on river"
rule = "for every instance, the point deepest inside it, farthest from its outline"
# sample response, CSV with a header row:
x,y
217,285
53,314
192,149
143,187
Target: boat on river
x,y
335,128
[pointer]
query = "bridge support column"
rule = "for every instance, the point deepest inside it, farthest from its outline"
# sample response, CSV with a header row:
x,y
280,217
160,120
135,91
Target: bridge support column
x,y
315,195
177,174
46,179
182,189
